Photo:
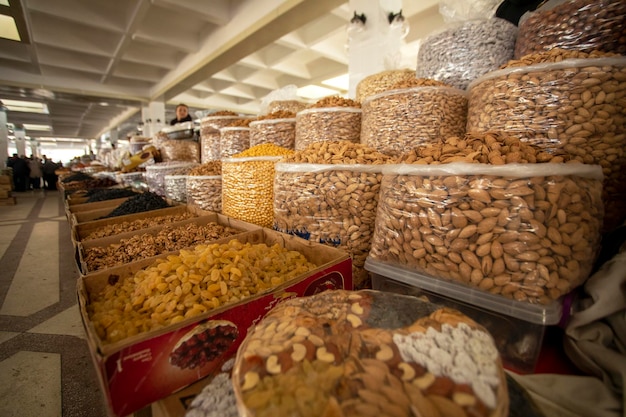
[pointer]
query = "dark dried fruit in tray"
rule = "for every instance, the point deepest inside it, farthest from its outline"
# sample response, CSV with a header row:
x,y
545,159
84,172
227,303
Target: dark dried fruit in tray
x,y
205,343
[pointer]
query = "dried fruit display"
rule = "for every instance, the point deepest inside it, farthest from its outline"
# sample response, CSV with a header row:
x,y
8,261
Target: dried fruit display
x,y
368,353
190,283
138,204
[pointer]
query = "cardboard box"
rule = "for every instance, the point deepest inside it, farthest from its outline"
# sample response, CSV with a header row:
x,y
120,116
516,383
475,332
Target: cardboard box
x,y
5,193
82,247
81,231
5,179
177,404
96,205
9,201
136,371
97,214
517,327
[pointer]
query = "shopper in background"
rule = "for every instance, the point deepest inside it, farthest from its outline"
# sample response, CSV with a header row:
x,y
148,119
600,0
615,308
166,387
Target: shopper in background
x,y
50,177
20,172
182,114
36,172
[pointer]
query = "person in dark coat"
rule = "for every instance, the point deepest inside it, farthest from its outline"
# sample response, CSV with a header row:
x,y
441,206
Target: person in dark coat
x,y
50,177
21,171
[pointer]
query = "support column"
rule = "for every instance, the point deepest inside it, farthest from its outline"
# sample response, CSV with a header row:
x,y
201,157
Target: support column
x,y
113,136
4,137
20,140
375,45
153,117
34,146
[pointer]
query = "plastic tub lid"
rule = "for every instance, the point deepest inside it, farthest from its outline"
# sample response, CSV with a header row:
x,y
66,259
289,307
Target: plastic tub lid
x,y
534,313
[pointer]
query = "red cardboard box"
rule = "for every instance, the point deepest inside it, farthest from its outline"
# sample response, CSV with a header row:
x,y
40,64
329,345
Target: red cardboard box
x,y
137,371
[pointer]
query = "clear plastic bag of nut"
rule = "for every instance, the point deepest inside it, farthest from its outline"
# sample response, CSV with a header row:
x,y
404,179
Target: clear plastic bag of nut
x,y
177,150
530,233
280,132
205,192
155,174
248,188
234,140
462,51
293,106
570,106
382,81
368,353
176,188
210,135
327,123
581,25
332,204
401,119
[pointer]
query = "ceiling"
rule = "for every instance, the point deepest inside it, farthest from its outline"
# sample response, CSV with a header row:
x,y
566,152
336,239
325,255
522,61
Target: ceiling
x,y
96,63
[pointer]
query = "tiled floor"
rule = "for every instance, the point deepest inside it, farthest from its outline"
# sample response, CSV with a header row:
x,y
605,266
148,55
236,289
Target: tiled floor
x,y
45,366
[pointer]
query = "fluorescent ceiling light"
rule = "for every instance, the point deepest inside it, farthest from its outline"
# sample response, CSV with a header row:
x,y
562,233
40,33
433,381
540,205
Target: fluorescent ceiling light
x,y
8,28
315,92
77,140
25,106
341,82
45,128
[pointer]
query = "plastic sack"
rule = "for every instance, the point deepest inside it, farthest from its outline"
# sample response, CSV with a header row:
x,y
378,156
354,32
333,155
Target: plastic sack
x,y
248,189
280,132
328,123
528,233
337,353
461,10
575,106
333,204
397,120
584,25
205,192
177,150
463,51
285,98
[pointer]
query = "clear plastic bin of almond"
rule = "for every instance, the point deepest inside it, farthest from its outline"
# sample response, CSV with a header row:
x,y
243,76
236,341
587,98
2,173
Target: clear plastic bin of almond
x,y
326,123
332,204
400,119
580,25
234,139
210,134
205,192
562,101
280,132
525,232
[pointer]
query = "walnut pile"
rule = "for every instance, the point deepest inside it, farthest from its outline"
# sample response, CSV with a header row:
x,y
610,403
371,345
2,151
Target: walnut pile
x,y
170,238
